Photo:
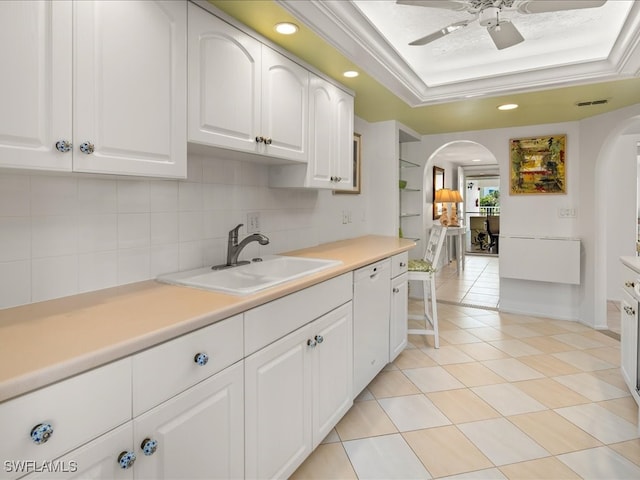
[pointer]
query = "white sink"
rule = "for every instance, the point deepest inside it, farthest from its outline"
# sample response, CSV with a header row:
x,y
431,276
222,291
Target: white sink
x,y
252,277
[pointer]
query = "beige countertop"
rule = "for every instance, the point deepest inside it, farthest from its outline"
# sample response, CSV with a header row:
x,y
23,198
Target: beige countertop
x,y
631,262
45,342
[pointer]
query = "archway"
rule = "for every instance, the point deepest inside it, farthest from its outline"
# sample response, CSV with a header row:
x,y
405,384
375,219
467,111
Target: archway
x,y
456,157
602,168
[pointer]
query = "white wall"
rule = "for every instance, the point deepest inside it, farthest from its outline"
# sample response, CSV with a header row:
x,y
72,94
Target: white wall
x,y
534,215
62,234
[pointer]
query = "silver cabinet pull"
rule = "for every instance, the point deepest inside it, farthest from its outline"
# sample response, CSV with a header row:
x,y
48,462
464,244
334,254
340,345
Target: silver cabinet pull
x,y
629,310
628,284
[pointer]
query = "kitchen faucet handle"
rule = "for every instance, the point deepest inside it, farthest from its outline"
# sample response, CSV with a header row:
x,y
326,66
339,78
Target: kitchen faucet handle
x,y
234,231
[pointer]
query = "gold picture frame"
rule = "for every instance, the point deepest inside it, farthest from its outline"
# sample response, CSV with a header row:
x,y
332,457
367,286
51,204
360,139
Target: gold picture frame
x,y
538,165
357,167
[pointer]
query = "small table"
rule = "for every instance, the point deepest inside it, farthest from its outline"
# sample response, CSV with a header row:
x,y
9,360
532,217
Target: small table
x,y
460,233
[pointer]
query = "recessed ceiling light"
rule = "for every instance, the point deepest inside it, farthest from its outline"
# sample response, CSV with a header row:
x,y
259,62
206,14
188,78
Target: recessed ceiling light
x,y
350,74
286,28
508,106
476,160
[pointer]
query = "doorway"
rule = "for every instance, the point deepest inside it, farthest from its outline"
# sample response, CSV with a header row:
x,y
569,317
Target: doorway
x,y
465,162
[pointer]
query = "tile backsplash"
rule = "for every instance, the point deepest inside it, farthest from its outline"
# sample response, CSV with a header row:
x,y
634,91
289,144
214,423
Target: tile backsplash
x,y
62,234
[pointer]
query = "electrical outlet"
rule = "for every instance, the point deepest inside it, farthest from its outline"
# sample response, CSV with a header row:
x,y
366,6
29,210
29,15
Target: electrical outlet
x,y
253,222
567,213
345,217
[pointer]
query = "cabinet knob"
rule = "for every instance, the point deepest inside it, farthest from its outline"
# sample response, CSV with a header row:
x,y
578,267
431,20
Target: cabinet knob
x,y
201,359
41,433
267,141
63,146
149,446
629,310
87,147
319,339
312,342
402,264
396,290
628,284
259,139
126,460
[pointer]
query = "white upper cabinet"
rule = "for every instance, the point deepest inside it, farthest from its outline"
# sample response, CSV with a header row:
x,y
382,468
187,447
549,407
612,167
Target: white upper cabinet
x,y
331,137
285,106
105,79
130,87
35,87
243,95
225,68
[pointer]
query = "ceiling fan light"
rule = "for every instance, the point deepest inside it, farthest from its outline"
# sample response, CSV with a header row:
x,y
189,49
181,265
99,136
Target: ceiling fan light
x,y
508,106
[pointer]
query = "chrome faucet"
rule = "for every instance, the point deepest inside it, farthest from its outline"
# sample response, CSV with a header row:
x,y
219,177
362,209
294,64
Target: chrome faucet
x,y
234,248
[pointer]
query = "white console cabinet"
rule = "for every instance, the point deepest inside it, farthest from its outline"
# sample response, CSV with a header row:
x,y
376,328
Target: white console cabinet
x,y
79,98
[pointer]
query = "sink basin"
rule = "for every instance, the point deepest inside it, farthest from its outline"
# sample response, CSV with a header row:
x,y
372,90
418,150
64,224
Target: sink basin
x,y
250,278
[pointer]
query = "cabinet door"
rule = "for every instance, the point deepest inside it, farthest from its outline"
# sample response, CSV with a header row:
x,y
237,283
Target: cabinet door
x,y
35,86
96,460
629,340
278,407
130,97
343,141
199,433
398,320
320,172
285,103
224,83
331,136
332,373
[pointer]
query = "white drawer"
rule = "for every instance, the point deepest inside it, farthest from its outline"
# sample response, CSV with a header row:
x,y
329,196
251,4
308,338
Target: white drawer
x,y
77,409
271,321
399,264
163,371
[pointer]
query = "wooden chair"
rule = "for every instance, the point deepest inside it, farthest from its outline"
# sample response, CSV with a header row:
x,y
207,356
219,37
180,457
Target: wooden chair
x,y
424,271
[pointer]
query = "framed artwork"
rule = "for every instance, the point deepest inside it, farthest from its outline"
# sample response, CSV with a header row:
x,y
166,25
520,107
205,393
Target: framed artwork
x,y
438,183
357,165
538,165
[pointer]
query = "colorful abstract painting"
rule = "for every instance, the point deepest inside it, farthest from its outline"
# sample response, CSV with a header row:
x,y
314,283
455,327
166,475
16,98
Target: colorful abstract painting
x,y
538,165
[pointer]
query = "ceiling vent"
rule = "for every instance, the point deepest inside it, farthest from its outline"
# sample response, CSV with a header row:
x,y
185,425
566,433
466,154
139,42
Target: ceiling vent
x,y
592,102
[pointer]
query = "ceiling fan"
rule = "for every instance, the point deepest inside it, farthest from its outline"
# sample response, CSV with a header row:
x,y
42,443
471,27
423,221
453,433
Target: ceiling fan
x,y
488,13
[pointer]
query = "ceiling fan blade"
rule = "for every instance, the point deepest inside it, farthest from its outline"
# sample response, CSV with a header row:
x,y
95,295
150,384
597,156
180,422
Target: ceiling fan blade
x,y
459,5
505,35
542,6
441,33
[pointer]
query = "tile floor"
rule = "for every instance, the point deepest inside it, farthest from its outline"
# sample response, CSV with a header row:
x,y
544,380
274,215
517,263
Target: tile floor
x,y
504,397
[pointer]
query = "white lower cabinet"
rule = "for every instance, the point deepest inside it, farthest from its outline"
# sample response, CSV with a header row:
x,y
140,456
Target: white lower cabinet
x,y
296,390
97,459
629,340
46,424
398,318
399,305
197,434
